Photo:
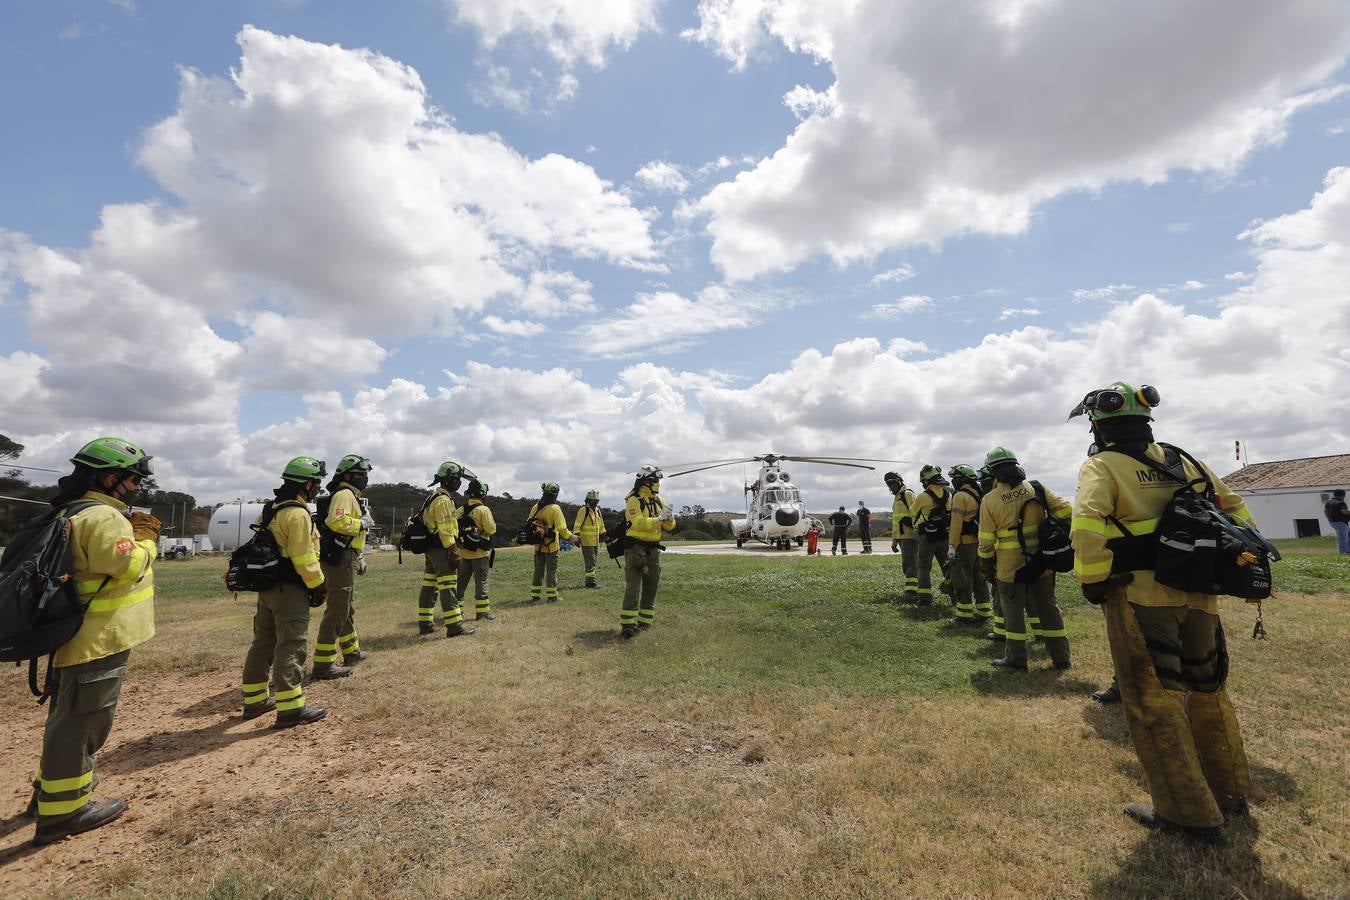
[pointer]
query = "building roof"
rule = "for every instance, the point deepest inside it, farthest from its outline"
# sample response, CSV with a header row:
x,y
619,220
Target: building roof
x,y
1311,471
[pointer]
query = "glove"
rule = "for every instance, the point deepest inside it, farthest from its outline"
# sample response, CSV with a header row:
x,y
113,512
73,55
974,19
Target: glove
x,y
145,527
318,596
1096,591
895,546
667,514
906,522
951,552
988,569
360,565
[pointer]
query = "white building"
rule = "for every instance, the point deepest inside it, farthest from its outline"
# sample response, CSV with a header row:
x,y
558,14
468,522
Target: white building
x,y
1287,495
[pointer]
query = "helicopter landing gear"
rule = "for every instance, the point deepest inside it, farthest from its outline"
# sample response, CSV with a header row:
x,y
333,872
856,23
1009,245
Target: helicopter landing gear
x,y
800,541
739,543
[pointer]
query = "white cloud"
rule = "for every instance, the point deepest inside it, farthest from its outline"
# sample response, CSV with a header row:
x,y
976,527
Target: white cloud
x,y
553,294
513,327
664,321
290,354
904,306
1016,312
1106,292
892,276
956,118
1193,285
659,176
1237,276
805,102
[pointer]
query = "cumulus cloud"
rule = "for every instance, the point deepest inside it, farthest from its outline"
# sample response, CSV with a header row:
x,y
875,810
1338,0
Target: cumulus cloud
x,y
659,176
1016,312
553,294
1106,292
664,321
892,276
958,118
903,306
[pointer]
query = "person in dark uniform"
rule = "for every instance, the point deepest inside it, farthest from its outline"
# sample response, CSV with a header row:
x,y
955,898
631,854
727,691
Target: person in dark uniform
x,y
864,526
840,520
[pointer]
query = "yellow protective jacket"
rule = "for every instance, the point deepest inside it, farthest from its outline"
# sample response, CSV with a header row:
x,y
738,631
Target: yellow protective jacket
x,y
924,502
1134,495
551,516
589,526
482,517
122,611
441,518
344,516
900,510
641,508
998,525
965,509
298,538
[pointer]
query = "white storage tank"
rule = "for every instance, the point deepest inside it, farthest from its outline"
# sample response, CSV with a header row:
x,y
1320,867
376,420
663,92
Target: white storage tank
x,y
230,524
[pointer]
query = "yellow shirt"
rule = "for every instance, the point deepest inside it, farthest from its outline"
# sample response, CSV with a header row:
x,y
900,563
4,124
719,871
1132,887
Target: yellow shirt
x,y
900,510
298,538
926,501
965,508
998,525
551,516
1135,495
642,510
440,517
589,526
121,613
344,516
482,518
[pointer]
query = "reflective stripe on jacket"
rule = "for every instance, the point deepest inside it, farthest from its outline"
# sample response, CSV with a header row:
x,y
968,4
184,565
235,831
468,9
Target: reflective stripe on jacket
x,y
440,517
1134,495
122,613
998,525
344,515
641,509
589,526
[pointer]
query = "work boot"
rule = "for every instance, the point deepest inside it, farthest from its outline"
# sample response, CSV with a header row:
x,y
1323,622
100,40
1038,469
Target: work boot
x,y
627,631
992,636
352,659
94,814
844,552
1145,814
554,599
302,716
425,628
330,672
1008,664
1108,695
457,629
486,616
1063,664
911,597
253,710
643,626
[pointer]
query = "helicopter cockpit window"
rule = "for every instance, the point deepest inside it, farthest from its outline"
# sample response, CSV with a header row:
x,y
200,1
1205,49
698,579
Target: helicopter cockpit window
x,y
781,495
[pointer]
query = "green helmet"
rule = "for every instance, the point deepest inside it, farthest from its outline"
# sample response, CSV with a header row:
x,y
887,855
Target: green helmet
x,y
303,469
593,495
352,461
113,453
930,474
449,469
477,488
550,487
963,471
997,456
1120,399
986,479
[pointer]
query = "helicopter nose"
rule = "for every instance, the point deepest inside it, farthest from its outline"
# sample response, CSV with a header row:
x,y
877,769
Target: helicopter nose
x,y
786,516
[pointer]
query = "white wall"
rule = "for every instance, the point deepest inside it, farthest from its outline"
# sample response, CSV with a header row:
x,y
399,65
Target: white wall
x,y
1276,510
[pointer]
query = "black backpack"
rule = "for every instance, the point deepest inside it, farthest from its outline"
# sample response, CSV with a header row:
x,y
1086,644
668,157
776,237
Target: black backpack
x,y
257,564
331,544
934,528
1198,547
471,537
534,531
616,539
39,609
416,535
1054,552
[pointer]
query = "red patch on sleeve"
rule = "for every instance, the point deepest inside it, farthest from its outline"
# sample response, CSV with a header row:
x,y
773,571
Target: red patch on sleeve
x,y
341,511
125,546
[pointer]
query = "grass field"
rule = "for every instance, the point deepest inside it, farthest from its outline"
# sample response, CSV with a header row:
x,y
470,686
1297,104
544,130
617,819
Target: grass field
x,y
786,729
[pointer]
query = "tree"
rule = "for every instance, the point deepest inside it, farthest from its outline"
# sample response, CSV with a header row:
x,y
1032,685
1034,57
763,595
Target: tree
x,y
9,449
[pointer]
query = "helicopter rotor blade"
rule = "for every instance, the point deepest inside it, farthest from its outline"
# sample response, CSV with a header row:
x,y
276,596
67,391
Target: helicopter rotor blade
x,y
828,462
718,465
708,462
908,462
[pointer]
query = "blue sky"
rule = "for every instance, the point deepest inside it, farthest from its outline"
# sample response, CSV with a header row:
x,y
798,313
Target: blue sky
x,y
923,214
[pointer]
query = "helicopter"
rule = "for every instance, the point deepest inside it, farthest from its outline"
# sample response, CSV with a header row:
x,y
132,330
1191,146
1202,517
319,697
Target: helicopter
x,y
774,514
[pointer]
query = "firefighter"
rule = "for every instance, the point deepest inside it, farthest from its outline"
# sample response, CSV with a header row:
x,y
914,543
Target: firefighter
x,y
902,533
1025,587
1167,645
476,528
840,520
932,518
589,527
112,555
549,521
648,515
864,516
996,632
438,575
970,591
342,543
281,622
